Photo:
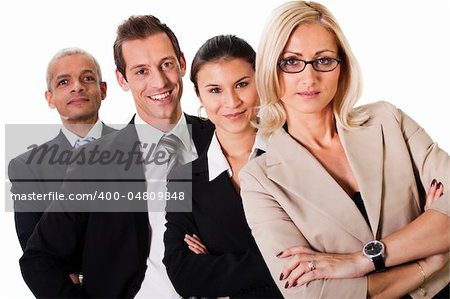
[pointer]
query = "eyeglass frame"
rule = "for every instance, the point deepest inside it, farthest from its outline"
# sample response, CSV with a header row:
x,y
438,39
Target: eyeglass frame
x,y
311,62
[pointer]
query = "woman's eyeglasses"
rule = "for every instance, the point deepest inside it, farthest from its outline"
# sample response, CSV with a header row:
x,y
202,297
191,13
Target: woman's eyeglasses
x,y
294,65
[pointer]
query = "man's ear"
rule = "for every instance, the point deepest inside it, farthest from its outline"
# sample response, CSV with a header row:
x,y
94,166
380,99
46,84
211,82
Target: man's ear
x,y
49,98
122,81
103,87
182,64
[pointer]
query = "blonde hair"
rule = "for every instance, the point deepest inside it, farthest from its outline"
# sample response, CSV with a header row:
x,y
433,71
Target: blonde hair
x,y
276,33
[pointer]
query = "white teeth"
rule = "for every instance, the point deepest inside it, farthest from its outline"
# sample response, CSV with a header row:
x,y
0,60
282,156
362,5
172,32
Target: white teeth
x,y
161,96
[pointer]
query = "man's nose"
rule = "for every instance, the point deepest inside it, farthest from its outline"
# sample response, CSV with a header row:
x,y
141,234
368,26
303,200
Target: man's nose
x,y
78,86
159,79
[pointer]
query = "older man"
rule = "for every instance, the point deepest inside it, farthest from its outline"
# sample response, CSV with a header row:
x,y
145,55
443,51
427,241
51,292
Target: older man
x,y
75,88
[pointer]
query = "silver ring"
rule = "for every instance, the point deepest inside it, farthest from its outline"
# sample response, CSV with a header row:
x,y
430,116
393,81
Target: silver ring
x,y
311,265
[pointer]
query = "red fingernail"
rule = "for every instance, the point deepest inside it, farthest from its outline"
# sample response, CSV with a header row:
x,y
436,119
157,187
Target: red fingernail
x,y
279,254
286,285
294,284
433,182
439,185
281,276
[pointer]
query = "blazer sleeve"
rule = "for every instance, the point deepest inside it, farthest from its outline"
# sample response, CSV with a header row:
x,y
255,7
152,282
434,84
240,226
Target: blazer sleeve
x,y
52,251
274,231
27,213
46,262
430,161
208,275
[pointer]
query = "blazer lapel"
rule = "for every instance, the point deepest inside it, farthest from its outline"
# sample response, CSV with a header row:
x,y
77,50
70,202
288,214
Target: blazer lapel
x,y
58,170
130,176
364,150
221,201
201,132
62,142
200,165
126,141
295,169
107,130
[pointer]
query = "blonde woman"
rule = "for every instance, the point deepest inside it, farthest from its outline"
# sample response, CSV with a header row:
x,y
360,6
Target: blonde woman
x,y
334,178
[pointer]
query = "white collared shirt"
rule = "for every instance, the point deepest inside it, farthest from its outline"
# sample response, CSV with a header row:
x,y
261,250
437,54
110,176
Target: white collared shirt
x,y
217,163
95,131
156,283
151,135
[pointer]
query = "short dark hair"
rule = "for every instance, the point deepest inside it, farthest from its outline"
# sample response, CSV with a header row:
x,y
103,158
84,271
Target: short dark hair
x,y
140,27
221,47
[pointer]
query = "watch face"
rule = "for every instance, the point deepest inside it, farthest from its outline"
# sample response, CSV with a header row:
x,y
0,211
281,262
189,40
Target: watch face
x,y
373,248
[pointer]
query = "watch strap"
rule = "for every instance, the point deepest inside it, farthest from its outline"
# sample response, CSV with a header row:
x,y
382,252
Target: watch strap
x,y
378,261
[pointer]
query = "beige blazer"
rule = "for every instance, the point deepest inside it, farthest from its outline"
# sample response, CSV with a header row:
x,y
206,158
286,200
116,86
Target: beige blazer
x,y
290,199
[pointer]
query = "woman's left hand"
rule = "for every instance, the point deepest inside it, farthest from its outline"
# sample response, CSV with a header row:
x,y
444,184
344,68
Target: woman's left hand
x,y
306,265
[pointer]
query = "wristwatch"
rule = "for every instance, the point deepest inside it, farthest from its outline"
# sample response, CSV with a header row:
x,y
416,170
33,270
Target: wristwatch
x,y
374,251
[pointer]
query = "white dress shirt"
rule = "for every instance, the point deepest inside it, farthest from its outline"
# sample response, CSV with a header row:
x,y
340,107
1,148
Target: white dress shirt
x,y
156,283
95,131
217,163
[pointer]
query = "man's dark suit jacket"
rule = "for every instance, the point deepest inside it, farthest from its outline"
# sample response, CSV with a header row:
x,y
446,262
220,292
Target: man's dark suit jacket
x,y
114,245
234,266
27,175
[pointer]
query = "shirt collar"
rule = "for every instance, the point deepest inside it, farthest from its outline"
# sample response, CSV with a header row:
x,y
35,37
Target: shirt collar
x,y
148,133
260,144
95,131
217,163
181,131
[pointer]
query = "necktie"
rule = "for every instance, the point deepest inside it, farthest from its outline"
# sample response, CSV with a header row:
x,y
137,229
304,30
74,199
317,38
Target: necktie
x,y
83,141
172,145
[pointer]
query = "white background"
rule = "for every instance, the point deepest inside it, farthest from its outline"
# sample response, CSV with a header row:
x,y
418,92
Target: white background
x,y
403,48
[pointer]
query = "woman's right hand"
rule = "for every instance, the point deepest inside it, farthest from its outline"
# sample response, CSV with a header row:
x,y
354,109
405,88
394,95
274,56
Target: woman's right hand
x,y
195,244
434,192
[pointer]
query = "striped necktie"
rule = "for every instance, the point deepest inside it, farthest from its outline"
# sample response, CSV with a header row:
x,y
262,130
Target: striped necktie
x,y
83,141
172,145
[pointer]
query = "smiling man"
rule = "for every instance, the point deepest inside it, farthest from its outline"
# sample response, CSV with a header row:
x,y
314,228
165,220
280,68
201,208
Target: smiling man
x,y
122,240
157,100
75,88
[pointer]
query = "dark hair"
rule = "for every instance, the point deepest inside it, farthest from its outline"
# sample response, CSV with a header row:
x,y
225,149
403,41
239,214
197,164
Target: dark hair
x,y
221,47
140,27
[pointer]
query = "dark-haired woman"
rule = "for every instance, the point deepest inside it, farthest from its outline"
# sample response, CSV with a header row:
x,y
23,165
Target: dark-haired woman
x,y
210,251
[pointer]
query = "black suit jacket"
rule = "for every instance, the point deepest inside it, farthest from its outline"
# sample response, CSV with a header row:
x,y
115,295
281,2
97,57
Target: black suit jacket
x,y
234,266
27,175
114,245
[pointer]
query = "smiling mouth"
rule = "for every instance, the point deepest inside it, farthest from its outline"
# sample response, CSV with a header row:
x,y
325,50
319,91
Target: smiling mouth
x,y
160,97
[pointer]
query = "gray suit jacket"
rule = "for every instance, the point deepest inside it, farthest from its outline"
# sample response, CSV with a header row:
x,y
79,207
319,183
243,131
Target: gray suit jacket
x,y
290,199
28,175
